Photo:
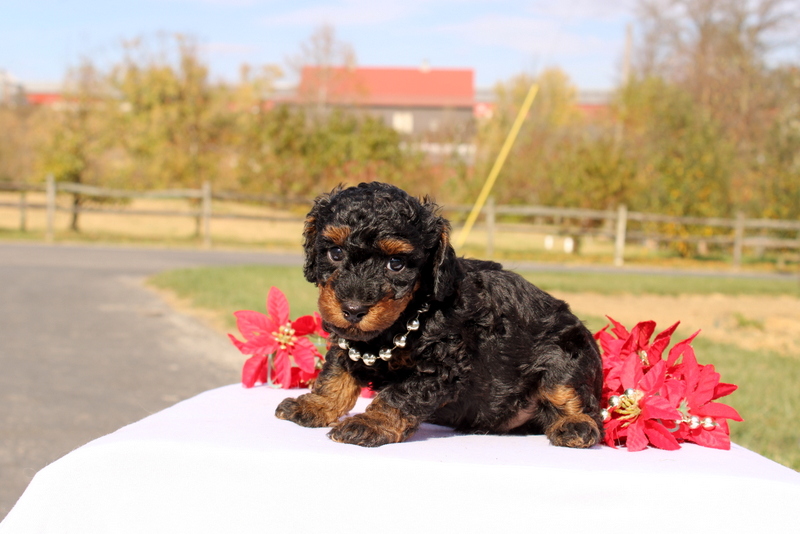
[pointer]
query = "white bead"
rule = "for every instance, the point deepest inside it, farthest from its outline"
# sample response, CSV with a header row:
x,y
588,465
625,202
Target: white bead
x,y
614,400
368,358
343,344
630,392
425,307
605,415
413,324
354,355
694,422
708,423
385,354
400,340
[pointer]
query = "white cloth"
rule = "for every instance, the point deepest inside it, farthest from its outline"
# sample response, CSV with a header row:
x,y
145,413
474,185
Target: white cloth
x,y
221,462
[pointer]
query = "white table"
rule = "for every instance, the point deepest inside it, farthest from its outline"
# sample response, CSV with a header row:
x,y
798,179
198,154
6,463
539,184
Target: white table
x,y
221,462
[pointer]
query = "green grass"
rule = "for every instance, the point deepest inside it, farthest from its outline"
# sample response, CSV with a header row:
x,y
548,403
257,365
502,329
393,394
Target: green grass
x,y
227,289
768,397
636,284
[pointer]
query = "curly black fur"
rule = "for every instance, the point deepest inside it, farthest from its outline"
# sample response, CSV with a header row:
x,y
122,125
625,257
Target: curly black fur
x,y
495,354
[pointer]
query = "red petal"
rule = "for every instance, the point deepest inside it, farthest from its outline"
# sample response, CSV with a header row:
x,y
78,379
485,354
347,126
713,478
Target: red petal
x,y
253,324
304,325
660,437
305,354
660,343
612,428
238,344
259,346
723,390
637,440
717,409
254,370
283,369
278,306
631,372
675,390
676,351
654,379
600,332
716,438
707,381
618,329
659,408
642,332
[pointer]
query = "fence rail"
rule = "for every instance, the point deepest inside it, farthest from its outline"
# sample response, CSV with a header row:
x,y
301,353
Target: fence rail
x,y
616,225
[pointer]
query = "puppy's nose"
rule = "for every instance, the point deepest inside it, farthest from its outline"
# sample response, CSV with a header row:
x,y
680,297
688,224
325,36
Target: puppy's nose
x,y
354,312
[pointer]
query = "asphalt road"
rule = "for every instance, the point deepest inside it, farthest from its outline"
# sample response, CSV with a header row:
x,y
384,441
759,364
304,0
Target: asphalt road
x,y
86,348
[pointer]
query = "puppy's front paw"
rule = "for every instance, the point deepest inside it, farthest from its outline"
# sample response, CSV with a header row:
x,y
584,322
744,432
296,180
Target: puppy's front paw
x,y
363,430
579,431
303,412
379,425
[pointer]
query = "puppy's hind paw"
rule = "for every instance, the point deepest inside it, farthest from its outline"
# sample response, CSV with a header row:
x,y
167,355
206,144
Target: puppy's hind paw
x,y
579,431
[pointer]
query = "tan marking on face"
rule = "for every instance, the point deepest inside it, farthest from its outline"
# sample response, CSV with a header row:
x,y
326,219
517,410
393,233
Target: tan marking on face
x,y
386,312
394,246
337,234
329,306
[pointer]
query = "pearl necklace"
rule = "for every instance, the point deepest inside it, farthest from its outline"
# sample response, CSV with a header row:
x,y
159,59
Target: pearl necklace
x,y
385,353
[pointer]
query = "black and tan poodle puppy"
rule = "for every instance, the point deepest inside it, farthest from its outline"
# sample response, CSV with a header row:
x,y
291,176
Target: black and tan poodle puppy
x,y
441,339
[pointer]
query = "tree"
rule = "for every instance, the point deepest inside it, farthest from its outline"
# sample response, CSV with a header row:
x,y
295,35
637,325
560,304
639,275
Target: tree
x,y
169,121
17,129
718,52
322,64
74,146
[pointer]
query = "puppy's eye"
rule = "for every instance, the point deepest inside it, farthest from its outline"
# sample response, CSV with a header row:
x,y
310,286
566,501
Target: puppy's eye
x,y
396,264
335,254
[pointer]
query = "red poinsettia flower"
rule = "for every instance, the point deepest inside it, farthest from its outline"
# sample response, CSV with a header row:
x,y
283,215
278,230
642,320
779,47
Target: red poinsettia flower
x,y
275,334
703,421
652,401
641,409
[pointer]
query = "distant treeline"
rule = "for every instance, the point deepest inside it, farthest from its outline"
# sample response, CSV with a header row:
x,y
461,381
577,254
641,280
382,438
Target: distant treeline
x,y
706,124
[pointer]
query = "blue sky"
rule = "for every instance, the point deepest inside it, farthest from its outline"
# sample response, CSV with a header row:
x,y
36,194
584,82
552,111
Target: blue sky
x,y
39,40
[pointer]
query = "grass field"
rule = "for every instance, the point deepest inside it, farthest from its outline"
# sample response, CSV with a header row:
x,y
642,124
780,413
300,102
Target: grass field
x,y
768,397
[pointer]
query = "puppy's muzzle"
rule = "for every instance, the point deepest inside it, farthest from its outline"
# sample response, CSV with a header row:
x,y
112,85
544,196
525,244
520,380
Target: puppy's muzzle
x,y
353,311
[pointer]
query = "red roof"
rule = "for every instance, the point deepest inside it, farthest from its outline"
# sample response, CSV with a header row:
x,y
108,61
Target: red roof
x,y
375,86
43,99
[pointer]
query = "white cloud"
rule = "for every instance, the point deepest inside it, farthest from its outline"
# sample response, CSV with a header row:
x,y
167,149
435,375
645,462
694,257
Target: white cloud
x,y
228,49
528,35
583,9
347,13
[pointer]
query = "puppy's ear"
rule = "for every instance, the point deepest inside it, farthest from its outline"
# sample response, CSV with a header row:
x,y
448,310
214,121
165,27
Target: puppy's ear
x,y
311,229
445,267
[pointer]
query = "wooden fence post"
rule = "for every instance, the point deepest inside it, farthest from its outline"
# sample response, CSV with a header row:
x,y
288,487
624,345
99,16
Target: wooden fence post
x,y
206,214
490,227
23,211
738,240
619,239
50,193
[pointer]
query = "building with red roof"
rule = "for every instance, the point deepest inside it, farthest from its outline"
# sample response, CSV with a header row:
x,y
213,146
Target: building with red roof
x,y
416,101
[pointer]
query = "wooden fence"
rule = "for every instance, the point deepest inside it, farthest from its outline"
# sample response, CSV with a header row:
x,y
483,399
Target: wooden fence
x,y
620,226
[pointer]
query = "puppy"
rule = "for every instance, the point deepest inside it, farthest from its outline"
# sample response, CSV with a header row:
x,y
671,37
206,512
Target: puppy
x,y
445,340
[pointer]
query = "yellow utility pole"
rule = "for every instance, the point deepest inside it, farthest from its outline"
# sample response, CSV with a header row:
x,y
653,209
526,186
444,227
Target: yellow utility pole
x,y
498,164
